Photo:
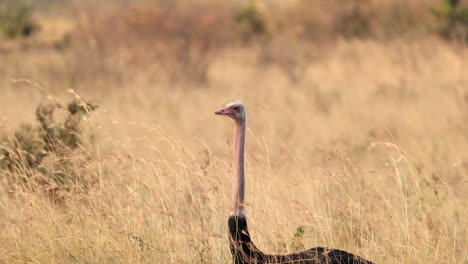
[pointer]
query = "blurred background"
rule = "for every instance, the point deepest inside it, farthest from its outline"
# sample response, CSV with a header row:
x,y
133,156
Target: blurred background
x,y
110,152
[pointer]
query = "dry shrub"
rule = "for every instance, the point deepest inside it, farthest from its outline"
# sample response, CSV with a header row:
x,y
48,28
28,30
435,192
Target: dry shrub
x,y
49,157
453,19
320,19
16,20
179,38
178,41
299,33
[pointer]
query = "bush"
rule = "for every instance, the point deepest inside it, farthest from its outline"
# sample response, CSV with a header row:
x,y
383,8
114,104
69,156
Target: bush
x,y
453,19
250,22
355,21
16,21
23,153
181,38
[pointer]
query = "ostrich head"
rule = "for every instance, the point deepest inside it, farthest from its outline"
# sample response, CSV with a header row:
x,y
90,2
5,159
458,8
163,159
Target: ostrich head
x,y
234,110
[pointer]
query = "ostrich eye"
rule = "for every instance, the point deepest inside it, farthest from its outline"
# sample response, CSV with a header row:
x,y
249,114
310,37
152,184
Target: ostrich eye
x,y
236,108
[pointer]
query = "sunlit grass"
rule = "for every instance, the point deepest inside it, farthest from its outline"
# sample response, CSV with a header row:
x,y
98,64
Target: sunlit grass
x,y
366,153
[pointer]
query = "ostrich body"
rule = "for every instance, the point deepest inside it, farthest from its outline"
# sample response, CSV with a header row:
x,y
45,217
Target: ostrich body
x,y
242,248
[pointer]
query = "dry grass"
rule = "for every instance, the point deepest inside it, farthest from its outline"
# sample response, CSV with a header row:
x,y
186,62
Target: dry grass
x,y
367,151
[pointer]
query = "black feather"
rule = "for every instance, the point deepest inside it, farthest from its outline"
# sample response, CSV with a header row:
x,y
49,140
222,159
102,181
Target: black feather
x,y
244,251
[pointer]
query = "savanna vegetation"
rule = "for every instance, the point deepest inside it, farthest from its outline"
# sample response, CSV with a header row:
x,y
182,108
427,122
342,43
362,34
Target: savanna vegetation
x,y
110,152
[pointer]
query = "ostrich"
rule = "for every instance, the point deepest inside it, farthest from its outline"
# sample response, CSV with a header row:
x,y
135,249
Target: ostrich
x,y
242,248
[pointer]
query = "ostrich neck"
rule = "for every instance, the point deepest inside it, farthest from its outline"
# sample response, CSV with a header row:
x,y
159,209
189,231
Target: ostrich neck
x,y
239,181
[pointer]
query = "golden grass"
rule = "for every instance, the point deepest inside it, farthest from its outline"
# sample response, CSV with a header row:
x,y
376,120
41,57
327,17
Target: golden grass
x,y
367,152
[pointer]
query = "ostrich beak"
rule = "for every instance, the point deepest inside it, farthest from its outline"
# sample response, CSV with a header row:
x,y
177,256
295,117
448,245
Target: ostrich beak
x,y
223,112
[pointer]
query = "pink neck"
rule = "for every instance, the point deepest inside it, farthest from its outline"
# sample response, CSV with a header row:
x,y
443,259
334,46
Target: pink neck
x,y
239,182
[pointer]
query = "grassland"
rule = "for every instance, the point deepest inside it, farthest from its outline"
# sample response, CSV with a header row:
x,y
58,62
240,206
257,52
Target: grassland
x,y
366,151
